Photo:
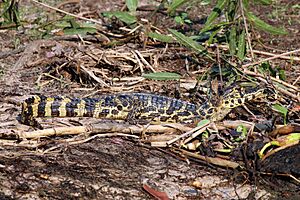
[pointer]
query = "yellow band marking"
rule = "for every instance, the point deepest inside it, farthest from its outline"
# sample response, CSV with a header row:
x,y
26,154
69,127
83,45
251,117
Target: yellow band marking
x,y
48,111
80,110
63,108
35,105
97,109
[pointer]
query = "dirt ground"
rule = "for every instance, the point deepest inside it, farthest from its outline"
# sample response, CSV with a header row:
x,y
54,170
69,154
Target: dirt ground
x,y
114,166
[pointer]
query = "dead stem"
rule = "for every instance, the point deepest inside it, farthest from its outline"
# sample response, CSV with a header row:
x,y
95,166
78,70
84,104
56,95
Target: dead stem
x,y
67,13
291,91
294,58
101,128
212,160
270,58
190,132
144,61
246,29
91,74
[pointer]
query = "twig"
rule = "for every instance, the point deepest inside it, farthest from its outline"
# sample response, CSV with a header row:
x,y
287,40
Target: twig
x,y
272,54
225,47
246,29
91,74
233,124
249,111
144,61
297,79
103,135
138,61
271,58
204,126
53,77
219,65
101,128
293,177
248,72
24,143
216,161
294,96
67,13
283,91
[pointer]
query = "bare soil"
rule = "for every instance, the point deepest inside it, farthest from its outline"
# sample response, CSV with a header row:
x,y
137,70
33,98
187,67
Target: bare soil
x,y
118,167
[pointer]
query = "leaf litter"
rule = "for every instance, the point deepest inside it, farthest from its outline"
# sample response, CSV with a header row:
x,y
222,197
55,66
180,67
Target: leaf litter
x,y
82,164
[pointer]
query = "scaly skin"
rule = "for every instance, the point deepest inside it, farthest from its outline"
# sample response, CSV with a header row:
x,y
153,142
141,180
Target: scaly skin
x,y
133,107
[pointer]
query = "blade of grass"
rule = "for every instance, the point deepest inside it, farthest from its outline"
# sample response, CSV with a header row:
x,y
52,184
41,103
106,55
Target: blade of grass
x,y
132,5
162,76
279,108
264,26
214,14
188,42
160,37
232,40
242,46
123,16
175,4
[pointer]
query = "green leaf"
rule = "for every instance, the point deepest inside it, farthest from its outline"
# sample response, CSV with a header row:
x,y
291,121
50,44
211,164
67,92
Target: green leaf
x,y
293,137
232,10
162,76
265,26
232,40
184,15
242,46
79,31
282,75
212,36
186,41
214,14
160,37
9,12
188,21
205,2
179,20
243,130
175,4
62,24
74,24
224,150
132,5
266,68
203,122
279,108
123,16
72,27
